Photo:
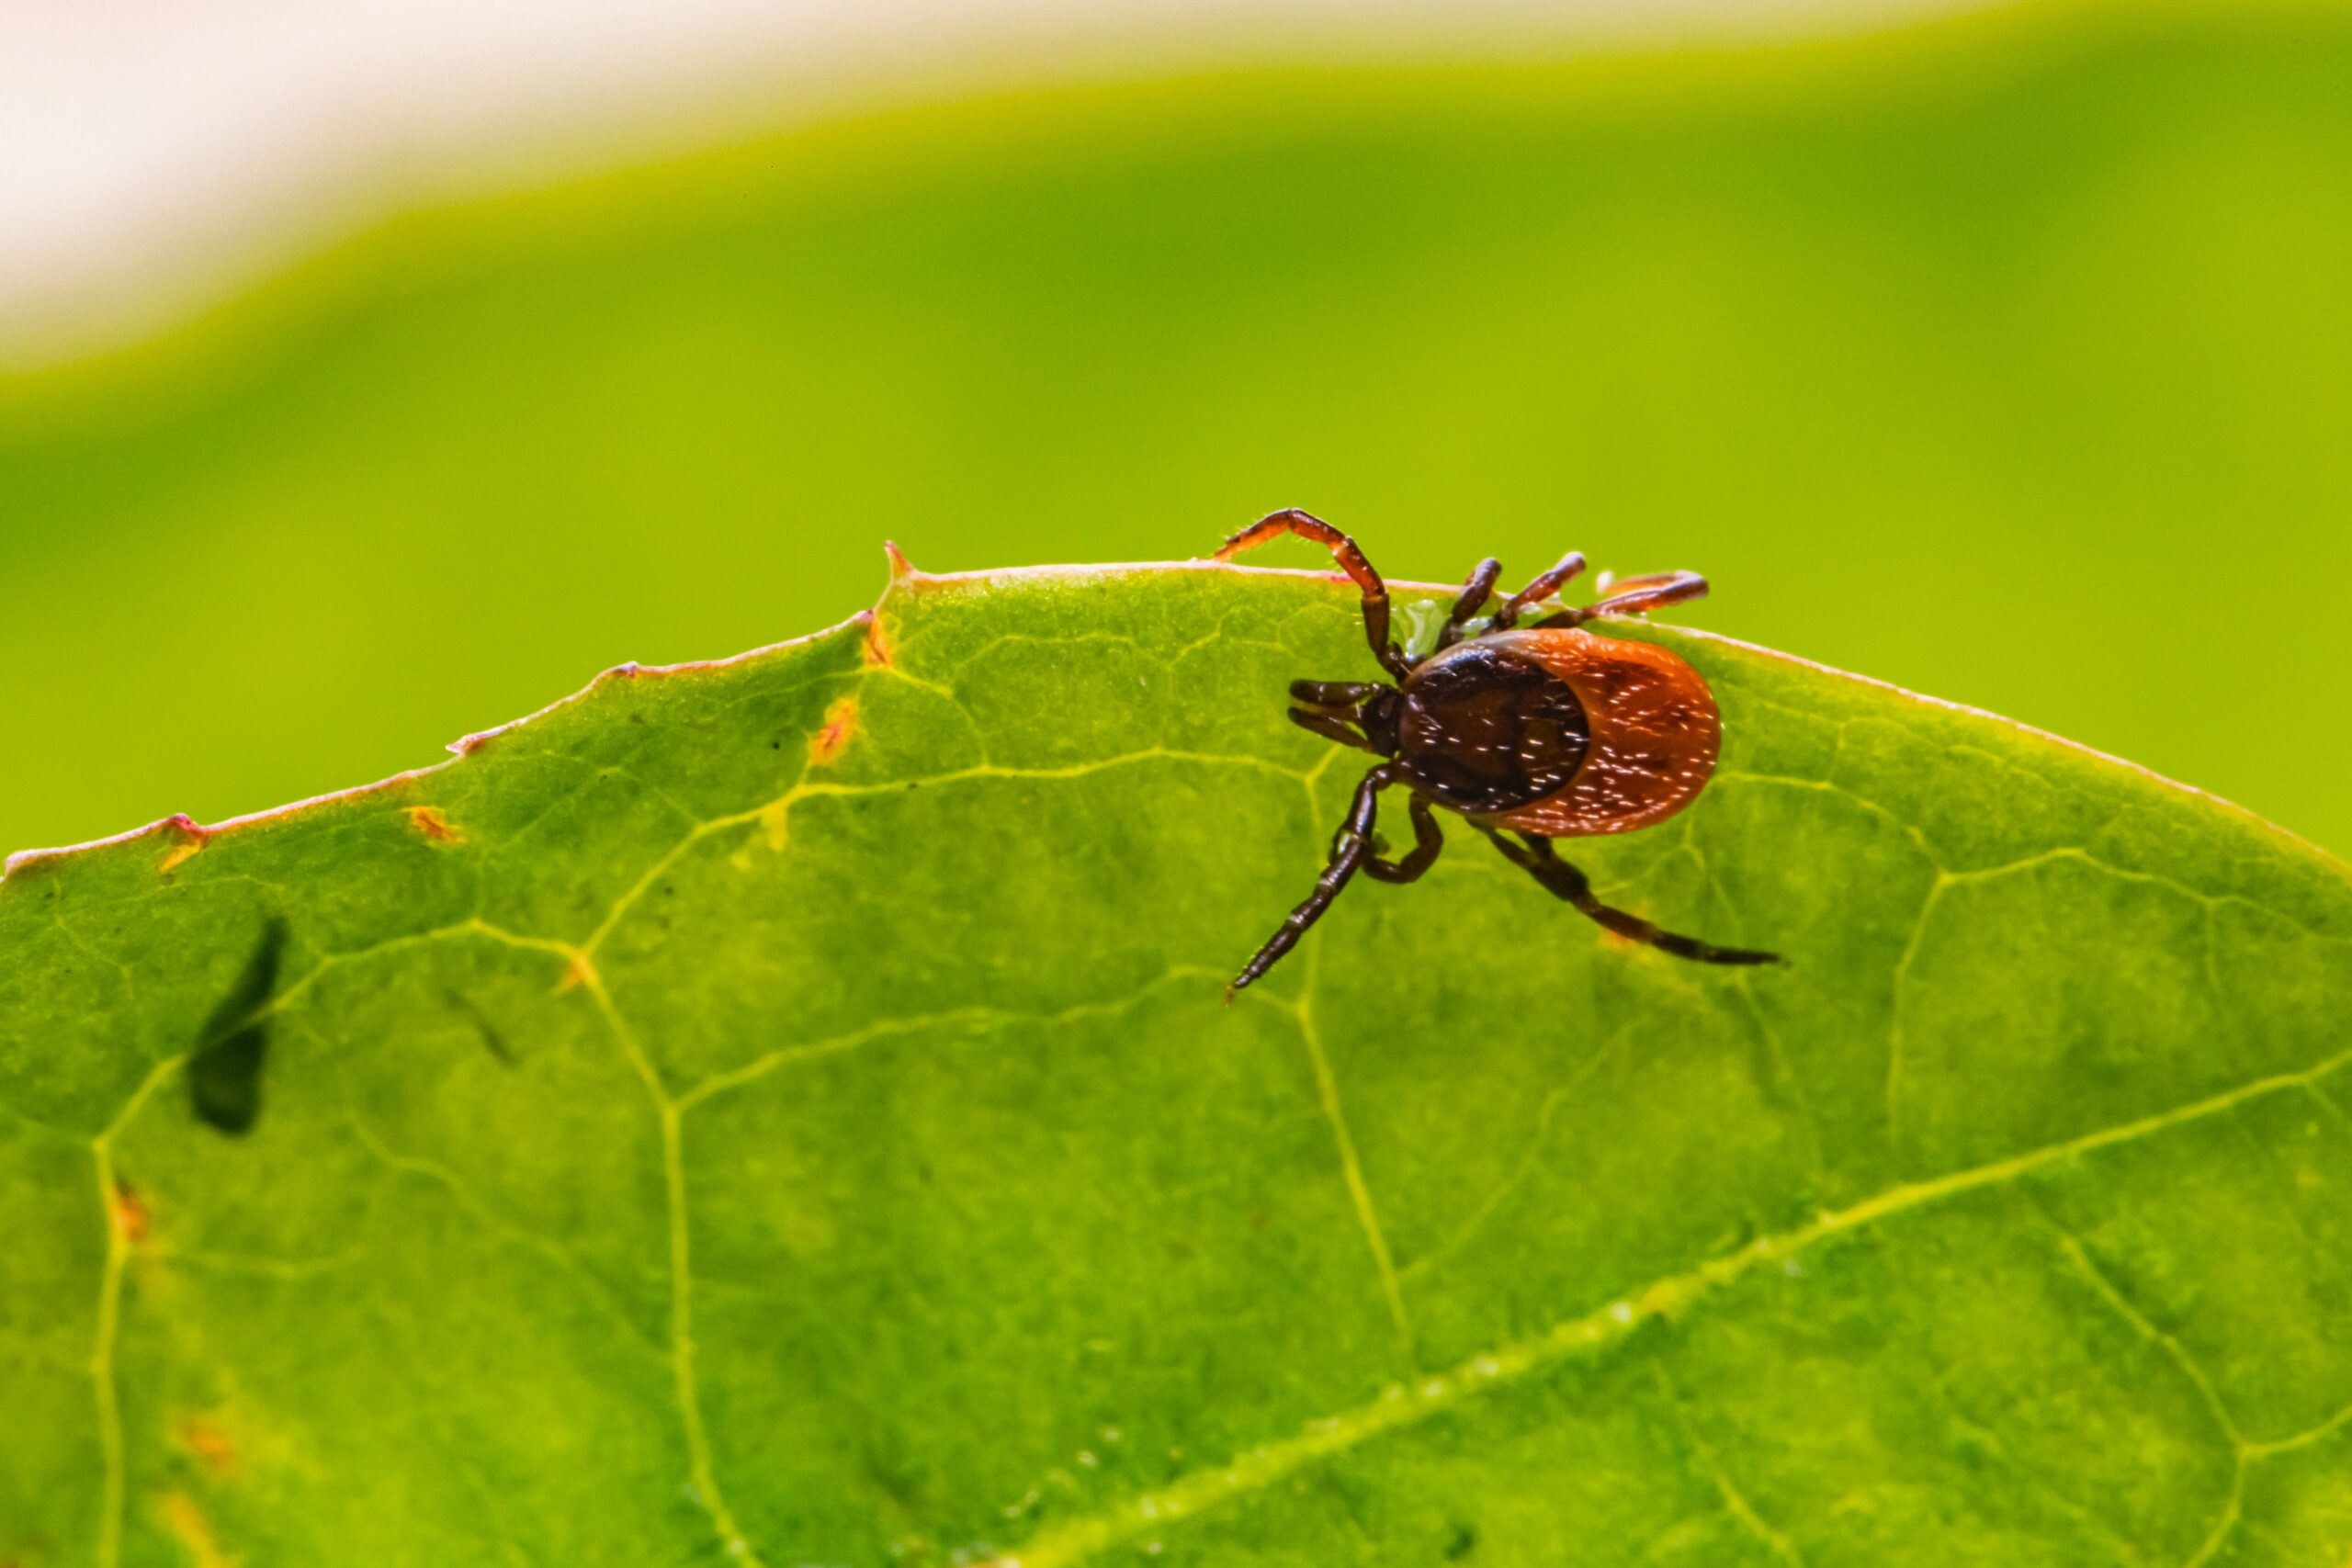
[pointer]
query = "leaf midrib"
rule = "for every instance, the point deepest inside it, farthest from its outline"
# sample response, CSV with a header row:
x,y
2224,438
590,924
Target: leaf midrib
x,y
1400,1408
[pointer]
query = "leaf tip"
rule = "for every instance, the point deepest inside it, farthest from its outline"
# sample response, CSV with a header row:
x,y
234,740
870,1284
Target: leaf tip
x,y
190,836
901,568
187,833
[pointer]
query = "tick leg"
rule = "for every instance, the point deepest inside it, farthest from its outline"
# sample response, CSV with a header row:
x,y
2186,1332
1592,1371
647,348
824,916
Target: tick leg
x,y
1535,856
1475,592
1328,707
1542,588
1348,852
1331,727
1638,595
1333,694
1427,839
1344,550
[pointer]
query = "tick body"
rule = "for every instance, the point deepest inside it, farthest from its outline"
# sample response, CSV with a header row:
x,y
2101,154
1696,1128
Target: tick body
x,y
1530,733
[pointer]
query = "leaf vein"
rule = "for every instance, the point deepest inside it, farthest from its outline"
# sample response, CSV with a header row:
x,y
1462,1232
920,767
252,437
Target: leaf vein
x,y
2108,1291
1398,1408
1735,1502
1327,1091
681,1327
488,1216
883,1029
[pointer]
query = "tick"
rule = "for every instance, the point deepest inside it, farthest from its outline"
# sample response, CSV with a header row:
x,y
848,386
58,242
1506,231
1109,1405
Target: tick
x,y
1529,733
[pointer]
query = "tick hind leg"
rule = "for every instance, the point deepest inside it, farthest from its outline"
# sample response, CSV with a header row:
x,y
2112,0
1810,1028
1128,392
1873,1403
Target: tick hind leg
x,y
1349,851
1536,857
1351,559
1427,839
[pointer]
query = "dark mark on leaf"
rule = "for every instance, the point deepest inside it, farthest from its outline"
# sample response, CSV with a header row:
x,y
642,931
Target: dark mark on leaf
x,y
224,1072
1465,1542
491,1038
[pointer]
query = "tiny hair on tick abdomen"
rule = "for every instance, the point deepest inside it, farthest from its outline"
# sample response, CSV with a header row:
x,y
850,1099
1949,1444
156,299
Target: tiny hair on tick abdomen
x,y
1529,733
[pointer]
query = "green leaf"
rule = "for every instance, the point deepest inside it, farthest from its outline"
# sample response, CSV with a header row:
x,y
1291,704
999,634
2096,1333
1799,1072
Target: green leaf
x,y
784,1110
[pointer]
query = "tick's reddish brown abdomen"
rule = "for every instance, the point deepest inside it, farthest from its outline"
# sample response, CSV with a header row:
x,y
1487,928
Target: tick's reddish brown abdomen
x,y
1559,732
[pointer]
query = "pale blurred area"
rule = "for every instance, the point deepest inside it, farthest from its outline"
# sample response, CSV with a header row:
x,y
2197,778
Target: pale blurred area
x,y
157,154
375,371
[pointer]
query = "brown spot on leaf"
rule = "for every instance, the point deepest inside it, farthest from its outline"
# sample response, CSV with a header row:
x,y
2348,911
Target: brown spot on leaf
x,y
877,644
195,1532
428,820
129,1213
209,1443
840,723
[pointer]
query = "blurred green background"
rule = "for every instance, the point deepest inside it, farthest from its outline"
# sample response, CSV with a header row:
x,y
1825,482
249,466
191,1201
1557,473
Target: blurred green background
x,y
2008,358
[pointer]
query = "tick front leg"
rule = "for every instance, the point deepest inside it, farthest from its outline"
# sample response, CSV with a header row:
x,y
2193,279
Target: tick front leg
x,y
1350,556
1542,588
1636,595
1427,839
1348,852
1536,857
1475,591
1334,693
1330,727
